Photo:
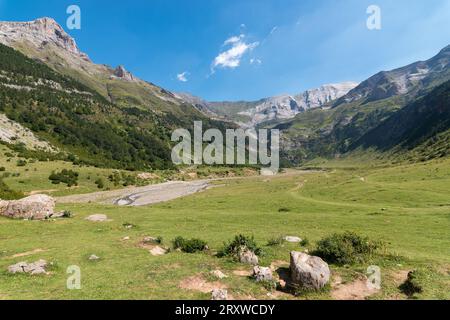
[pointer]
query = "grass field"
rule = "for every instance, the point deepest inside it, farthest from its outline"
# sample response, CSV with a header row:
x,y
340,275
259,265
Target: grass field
x,y
406,206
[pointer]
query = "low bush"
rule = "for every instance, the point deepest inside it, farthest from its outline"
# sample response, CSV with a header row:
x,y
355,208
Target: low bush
x,y
414,283
278,241
68,177
7,194
346,248
234,247
100,183
189,246
304,242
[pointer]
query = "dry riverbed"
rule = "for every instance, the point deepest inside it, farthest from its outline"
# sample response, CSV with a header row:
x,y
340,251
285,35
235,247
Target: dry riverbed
x,y
140,196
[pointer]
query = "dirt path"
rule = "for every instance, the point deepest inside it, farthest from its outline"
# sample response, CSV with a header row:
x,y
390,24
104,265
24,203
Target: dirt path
x,y
140,196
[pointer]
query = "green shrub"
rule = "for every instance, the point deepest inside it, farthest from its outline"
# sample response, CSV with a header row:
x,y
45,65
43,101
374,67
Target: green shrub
x,y
414,283
2,169
284,210
304,242
7,194
67,214
100,183
278,241
346,248
189,246
21,163
233,248
68,177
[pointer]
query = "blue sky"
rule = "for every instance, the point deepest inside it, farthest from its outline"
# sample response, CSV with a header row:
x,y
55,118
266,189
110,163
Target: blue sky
x,y
249,49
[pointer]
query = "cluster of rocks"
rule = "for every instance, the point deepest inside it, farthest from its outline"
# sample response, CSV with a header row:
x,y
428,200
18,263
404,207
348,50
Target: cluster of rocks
x,y
35,268
306,272
36,207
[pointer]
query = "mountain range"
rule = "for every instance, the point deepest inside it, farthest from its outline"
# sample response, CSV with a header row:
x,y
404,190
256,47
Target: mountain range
x,y
63,103
282,107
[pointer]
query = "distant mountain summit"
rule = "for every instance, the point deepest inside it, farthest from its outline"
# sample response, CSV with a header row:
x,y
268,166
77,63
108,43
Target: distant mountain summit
x,y
253,113
287,107
39,33
408,79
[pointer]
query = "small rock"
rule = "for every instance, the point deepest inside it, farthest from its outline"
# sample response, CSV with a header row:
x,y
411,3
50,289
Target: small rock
x,y
125,238
94,258
18,267
158,251
150,240
308,272
219,295
292,239
219,274
262,274
97,218
248,257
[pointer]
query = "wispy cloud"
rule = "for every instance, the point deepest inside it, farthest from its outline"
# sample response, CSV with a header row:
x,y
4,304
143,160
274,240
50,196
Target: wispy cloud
x,y
255,61
231,58
183,76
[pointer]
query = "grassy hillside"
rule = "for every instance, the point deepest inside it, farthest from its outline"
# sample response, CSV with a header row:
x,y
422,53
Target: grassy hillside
x,y
405,206
82,122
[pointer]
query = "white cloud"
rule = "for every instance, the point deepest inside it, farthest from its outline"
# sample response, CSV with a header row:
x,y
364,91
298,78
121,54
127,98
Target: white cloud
x,y
183,76
255,61
234,39
274,29
231,58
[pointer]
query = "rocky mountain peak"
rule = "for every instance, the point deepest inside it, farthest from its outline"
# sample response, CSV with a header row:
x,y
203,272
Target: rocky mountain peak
x,y
40,32
123,74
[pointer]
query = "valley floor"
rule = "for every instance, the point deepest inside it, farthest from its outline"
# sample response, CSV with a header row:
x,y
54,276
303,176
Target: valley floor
x,y
406,206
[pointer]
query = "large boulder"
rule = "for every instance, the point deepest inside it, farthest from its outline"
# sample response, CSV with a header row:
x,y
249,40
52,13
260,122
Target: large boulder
x,y
308,272
36,207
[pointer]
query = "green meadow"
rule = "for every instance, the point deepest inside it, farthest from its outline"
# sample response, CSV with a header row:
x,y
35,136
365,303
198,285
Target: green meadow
x,y
405,206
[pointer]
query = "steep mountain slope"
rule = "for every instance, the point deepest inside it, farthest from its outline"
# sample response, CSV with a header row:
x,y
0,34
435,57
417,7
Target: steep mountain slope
x,y
77,119
414,124
332,132
406,80
44,39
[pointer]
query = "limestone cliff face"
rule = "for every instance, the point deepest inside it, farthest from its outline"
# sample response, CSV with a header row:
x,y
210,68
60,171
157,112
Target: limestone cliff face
x,y
39,33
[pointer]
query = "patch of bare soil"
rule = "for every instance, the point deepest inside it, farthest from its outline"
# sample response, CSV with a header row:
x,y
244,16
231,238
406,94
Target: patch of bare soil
x,y
278,264
198,283
400,276
32,193
356,290
242,273
29,253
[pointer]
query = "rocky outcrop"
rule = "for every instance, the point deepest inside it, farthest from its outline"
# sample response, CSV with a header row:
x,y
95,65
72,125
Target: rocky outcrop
x,y
36,207
308,272
35,268
123,74
39,33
